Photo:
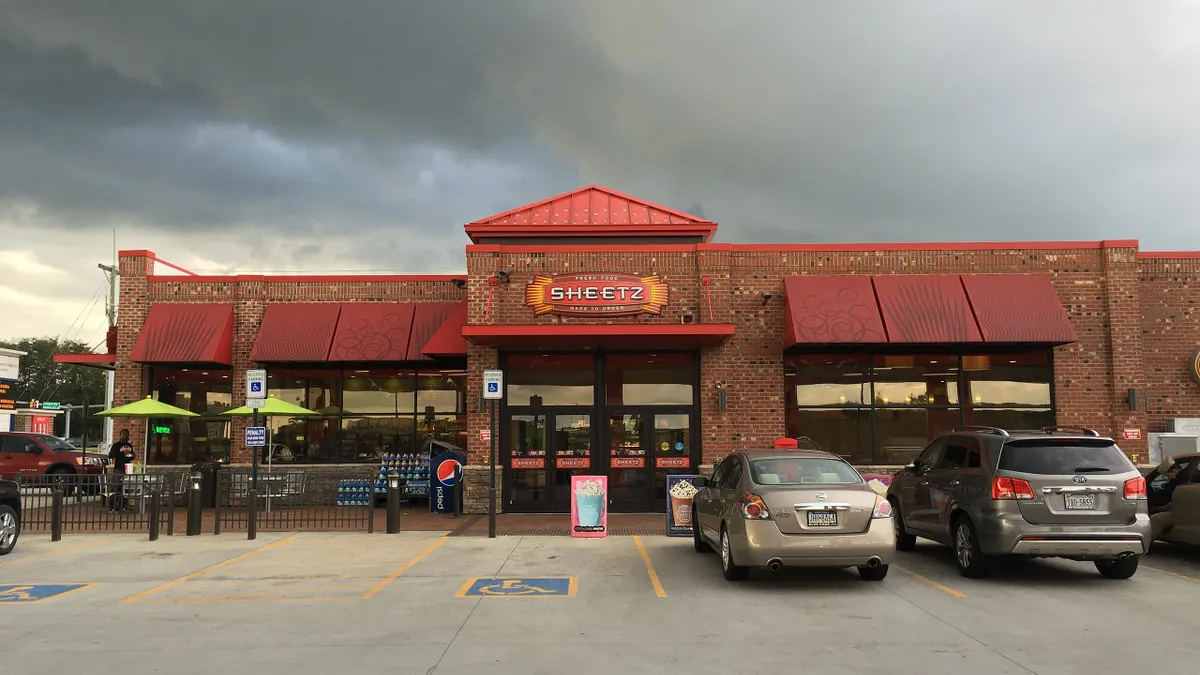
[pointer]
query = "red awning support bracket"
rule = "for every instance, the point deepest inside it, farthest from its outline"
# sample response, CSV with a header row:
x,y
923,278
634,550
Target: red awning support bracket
x,y
707,281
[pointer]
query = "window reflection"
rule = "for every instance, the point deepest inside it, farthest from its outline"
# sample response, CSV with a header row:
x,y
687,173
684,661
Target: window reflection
x,y
207,393
885,408
649,379
558,379
380,391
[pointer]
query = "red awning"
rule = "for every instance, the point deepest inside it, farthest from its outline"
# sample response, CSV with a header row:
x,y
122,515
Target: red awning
x,y
926,309
297,332
577,335
447,339
102,361
186,333
428,318
832,310
1018,308
373,331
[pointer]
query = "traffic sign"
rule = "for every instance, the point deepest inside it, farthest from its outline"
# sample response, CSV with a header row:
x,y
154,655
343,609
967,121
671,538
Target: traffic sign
x,y
256,403
51,405
493,384
256,383
256,437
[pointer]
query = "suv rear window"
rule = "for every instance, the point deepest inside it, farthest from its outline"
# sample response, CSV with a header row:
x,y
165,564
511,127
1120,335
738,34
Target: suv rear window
x,y
802,471
1069,456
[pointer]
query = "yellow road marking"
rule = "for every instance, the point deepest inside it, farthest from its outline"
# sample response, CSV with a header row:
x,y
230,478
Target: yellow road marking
x,y
931,582
658,587
392,577
54,552
1170,573
572,590
206,570
247,598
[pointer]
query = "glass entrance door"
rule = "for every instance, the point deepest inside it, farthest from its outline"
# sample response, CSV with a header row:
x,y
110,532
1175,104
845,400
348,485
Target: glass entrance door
x,y
643,448
543,449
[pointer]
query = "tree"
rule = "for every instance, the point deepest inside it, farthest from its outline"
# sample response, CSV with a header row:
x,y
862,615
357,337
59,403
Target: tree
x,y
44,380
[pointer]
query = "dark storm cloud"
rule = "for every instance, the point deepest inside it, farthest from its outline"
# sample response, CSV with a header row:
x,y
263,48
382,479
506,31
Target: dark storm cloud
x,y
786,121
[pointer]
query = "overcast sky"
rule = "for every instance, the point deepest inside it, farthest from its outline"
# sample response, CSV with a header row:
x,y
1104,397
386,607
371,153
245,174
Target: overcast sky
x,y
273,135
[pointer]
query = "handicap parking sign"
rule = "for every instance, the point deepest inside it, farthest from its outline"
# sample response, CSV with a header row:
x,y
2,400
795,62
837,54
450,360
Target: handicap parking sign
x,y
14,594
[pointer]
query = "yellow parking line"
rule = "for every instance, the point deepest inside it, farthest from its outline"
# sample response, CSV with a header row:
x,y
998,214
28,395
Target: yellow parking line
x,y
1170,573
931,582
236,598
394,575
658,587
54,552
206,570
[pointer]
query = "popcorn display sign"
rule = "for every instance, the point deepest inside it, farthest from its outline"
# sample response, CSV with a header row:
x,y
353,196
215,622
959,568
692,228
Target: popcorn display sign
x,y
680,493
589,506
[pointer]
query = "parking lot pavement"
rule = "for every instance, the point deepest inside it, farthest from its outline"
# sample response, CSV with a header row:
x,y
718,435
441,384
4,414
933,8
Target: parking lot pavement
x,y
424,603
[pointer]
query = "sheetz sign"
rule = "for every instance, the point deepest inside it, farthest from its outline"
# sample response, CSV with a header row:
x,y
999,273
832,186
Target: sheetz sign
x,y
597,294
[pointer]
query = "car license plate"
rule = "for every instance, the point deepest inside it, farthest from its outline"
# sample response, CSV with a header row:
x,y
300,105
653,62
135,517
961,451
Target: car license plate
x,y
822,518
1081,502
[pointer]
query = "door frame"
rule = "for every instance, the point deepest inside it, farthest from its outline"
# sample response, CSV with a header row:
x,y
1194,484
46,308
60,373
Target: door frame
x,y
600,412
647,503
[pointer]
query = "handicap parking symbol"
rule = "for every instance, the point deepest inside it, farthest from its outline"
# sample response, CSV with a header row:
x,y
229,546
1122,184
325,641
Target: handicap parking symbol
x,y
15,594
493,387
545,587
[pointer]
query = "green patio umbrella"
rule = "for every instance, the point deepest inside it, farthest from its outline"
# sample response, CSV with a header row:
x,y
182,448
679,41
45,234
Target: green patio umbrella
x,y
272,407
147,407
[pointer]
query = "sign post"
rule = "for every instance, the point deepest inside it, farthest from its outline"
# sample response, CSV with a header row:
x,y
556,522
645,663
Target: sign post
x,y
493,390
256,391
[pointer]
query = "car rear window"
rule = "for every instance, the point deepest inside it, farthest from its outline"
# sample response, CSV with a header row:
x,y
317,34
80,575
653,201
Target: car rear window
x,y
1051,458
802,471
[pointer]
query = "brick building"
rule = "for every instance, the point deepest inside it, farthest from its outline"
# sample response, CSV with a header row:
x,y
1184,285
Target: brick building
x,y
633,346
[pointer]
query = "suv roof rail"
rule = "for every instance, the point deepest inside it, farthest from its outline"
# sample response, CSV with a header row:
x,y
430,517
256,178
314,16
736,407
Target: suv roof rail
x,y
987,430
1084,430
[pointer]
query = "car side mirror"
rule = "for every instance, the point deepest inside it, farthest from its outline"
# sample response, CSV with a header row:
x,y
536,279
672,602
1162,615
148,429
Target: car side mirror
x,y
911,466
700,482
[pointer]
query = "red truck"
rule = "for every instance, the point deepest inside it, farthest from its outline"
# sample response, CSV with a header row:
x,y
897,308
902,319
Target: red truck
x,y
35,457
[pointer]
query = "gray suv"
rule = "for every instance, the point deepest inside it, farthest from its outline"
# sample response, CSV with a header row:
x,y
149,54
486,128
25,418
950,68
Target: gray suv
x,y
1058,492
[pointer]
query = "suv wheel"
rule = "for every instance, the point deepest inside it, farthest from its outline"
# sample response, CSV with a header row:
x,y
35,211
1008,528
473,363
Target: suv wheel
x,y
971,562
904,540
732,572
60,478
1119,568
10,529
697,539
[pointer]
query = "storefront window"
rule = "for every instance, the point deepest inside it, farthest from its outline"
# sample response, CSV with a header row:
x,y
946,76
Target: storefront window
x,y
184,441
898,402
649,379
379,391
551,379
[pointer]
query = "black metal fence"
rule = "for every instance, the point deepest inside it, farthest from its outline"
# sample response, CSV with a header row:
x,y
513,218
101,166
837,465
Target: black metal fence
x,y
294,500
80,503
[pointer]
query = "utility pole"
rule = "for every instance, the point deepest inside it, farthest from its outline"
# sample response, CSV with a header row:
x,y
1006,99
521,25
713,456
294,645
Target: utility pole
x,y
110,310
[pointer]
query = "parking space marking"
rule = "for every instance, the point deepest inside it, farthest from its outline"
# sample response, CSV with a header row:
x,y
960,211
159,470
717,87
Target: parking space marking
x,y
1170,573
225,563
383,583
931,582
54,552
658,587
31,594
512,587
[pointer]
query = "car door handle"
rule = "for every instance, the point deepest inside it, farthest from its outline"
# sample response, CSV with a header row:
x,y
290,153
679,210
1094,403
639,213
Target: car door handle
x,y
955,482
924,483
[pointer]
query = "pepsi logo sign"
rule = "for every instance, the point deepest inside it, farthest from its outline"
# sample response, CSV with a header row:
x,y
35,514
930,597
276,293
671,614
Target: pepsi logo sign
x,y
447,471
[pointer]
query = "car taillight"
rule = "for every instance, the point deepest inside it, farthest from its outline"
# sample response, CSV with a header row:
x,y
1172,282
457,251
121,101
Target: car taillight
x,y
1135,488
1011,488
883,508
753,507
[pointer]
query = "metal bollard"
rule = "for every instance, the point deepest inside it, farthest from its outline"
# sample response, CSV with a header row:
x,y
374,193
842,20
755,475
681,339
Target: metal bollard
x,y
393,501
458,490
154,511
56,514
194,511
170,512
252,515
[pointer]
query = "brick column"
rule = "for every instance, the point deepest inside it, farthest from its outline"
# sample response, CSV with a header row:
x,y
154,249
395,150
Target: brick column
x,y
1124,310
131,379
248,309
480,270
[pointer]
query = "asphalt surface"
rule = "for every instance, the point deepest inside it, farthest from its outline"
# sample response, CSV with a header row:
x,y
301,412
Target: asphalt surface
x,y
357,603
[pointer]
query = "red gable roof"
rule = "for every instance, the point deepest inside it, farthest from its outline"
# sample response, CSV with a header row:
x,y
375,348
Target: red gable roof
x,y
592,211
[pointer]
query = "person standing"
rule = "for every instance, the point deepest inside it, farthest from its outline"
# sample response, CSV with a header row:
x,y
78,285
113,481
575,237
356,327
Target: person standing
x,y
120,455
